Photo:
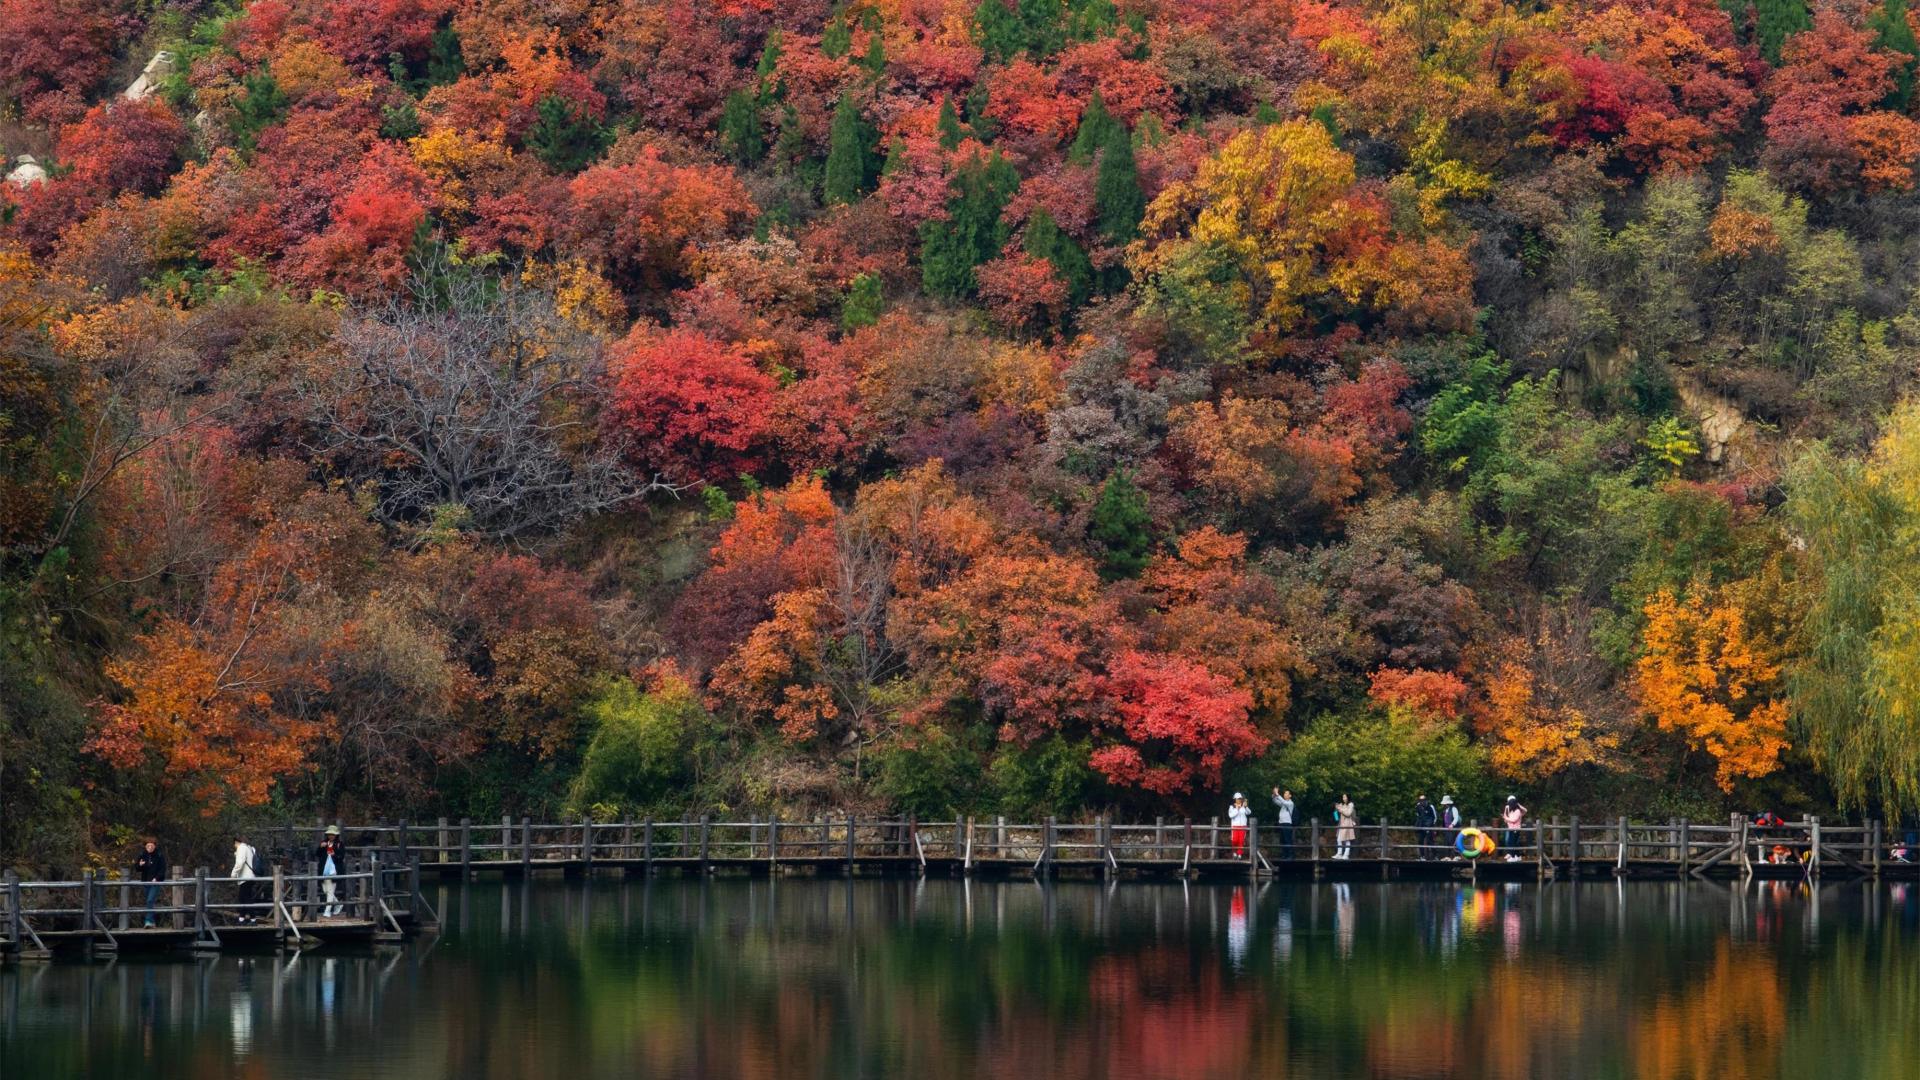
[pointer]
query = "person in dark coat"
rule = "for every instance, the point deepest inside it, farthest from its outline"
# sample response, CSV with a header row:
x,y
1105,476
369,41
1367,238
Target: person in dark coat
x,y
150,866
1425,817
331,858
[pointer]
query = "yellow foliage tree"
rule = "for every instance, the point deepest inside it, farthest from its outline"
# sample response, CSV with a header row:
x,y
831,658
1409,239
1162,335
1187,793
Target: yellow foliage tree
x,y
1708,675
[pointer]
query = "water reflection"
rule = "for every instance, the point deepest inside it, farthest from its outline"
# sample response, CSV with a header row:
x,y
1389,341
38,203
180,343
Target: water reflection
x,y
944,979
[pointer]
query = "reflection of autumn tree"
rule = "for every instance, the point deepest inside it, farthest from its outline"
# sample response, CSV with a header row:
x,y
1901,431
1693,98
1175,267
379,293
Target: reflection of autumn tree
x,y
1730,1023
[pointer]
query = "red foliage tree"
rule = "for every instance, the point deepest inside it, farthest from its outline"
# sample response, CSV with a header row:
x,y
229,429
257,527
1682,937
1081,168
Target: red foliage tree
x,y
643,219
53,51
689,407
1179,725
124,146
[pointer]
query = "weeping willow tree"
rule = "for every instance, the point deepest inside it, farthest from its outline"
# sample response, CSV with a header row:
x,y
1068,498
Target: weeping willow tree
x,y
1856,684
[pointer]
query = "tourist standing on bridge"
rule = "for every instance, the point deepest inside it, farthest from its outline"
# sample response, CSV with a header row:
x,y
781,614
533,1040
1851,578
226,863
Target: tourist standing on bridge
x,y
1450,823
1515,817
331,859
1283,816
1239,814
150,866
249,892
1345,825
1425,817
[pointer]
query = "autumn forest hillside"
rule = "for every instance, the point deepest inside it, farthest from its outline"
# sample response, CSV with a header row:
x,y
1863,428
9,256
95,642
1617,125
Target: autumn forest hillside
x,y
467,407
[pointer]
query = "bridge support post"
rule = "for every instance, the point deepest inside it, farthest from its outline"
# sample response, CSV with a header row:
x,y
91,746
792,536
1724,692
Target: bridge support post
x,y
706,832
1813,863
849,844
440,842
586,844
1873,846
1253,851
466,848
773,842
526,846
1686,846
1573,845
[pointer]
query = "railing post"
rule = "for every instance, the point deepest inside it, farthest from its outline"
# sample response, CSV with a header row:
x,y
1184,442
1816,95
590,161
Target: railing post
x,y
406,841
1213,837
646,846
466,847
850,827
1813,825
86,903
279,892
773,839
1686,846
13,909
199,900
526,845
586,842
1873,841
626,841
1737,836
1621,862
506,837
1159,836
1573,844
440,848
1000,835
1253,850
1046,849
706,830
1314,840
1383,839
126,896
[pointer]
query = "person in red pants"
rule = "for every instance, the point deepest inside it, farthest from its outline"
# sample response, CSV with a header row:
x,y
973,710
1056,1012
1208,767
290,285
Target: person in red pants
x,y
1239,815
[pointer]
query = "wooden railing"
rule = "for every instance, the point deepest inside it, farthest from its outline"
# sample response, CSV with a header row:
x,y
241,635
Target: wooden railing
x,y
525,845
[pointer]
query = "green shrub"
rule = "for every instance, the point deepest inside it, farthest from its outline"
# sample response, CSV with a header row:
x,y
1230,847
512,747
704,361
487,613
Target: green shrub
x,y
641,744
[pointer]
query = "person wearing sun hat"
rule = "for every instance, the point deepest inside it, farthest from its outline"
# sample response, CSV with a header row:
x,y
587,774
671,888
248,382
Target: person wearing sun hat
x,y
1239,814
1449,822
331,858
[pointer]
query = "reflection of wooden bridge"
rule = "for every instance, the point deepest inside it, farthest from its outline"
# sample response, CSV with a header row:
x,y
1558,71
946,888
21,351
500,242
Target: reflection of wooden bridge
x,y
974,846
97,915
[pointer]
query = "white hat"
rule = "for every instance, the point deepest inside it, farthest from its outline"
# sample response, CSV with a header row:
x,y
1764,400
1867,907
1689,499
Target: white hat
x,y
1446,800
1237,795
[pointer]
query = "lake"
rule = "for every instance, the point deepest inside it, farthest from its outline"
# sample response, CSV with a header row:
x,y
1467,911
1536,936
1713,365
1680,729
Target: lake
x,y
799,977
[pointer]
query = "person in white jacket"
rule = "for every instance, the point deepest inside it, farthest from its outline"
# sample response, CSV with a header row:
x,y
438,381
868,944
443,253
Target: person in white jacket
x,y
249,893
1239,814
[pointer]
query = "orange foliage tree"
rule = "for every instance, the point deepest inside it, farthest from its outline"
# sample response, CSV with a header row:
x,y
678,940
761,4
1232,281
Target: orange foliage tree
x,y
1706,673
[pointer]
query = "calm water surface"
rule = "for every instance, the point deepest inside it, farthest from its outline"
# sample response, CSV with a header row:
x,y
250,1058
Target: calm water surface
x,y
936,979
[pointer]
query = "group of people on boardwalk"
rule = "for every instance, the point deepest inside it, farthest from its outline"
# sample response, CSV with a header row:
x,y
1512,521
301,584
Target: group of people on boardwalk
x,y
1438,827
150,868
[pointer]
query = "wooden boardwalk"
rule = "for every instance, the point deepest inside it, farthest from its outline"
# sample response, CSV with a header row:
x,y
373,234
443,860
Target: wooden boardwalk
x,y
97,915
1541,850
380,898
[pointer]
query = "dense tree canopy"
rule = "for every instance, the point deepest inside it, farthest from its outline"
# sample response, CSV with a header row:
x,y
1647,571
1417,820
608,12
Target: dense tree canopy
x,y
429,406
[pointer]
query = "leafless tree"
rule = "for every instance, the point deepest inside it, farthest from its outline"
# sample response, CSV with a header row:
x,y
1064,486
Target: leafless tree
x,y
470,393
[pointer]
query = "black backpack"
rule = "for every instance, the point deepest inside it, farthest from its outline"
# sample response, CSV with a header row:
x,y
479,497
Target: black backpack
x,y
260,867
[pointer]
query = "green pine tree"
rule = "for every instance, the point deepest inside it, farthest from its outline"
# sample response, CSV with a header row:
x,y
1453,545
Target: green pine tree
x,y
445,64
837,40
1122,527
1092,19
951,134
792,151
997,30
565,135
864,302
1892,32
400,121
1777,20
973,231
1045,240
1043,27
260,105
851,163
769,57
876,59
1096,127
1116,189
741,133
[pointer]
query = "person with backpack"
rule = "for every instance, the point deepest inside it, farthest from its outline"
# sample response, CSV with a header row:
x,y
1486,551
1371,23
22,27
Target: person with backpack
x,y
1345,826
150,866
1425,817
332,860
247,867
1450,823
